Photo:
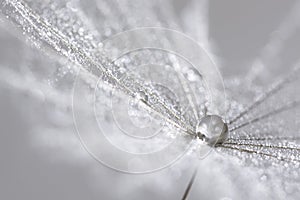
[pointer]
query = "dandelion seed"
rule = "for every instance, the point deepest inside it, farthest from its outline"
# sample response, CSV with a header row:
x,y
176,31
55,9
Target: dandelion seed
x,y
73,41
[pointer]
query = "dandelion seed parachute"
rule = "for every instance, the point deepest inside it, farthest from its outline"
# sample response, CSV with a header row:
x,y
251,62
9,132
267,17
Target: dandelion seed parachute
x,y
253,150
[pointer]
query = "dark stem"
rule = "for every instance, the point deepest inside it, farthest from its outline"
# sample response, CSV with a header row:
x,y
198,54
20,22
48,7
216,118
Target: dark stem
x,y
188,189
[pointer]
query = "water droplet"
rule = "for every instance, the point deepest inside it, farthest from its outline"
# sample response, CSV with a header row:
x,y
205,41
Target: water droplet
x,y
141,95
213,129
139,116
264,177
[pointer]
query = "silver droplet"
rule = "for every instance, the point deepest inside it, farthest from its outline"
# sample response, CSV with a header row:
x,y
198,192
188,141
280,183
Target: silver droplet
x,y
212,129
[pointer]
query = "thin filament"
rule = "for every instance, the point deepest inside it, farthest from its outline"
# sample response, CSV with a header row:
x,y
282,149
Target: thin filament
x,y
258,153
273,90
274,112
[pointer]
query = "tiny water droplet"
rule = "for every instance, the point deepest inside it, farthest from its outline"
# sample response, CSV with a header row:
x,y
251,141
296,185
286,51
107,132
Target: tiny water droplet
x,y
264,177
141,95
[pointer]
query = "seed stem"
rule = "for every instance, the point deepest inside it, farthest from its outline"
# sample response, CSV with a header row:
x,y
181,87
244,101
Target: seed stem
x,y
189,186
